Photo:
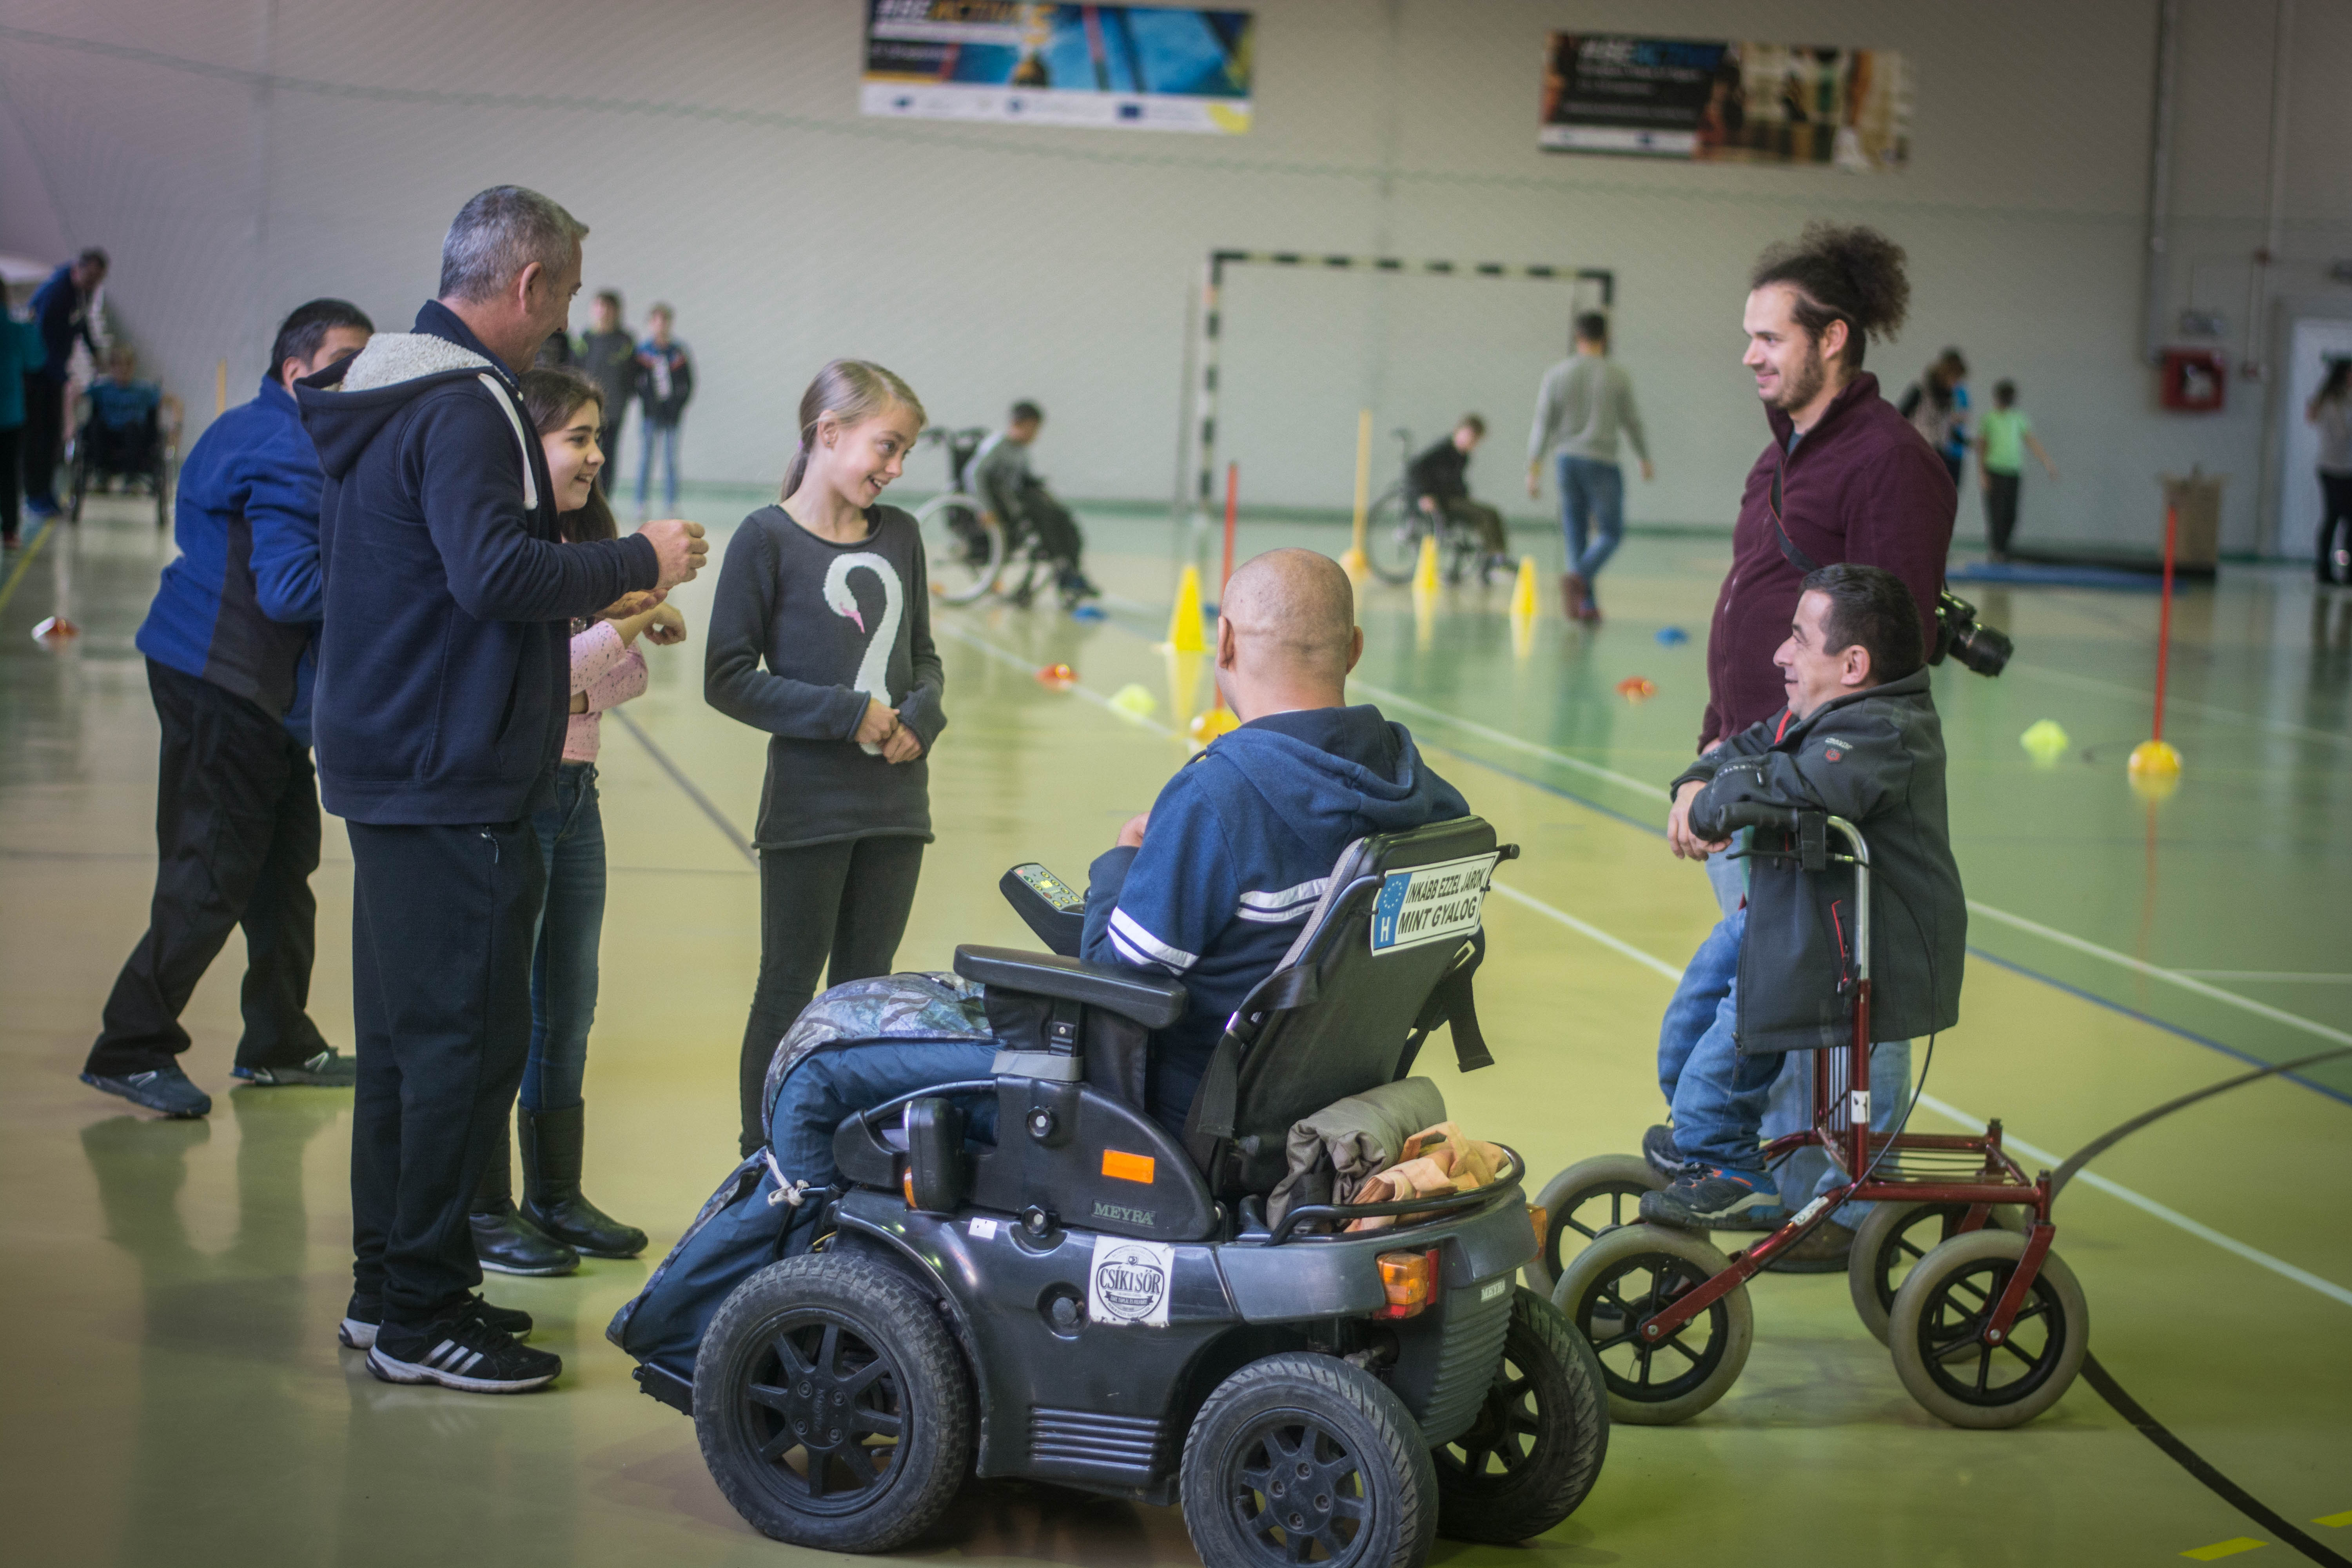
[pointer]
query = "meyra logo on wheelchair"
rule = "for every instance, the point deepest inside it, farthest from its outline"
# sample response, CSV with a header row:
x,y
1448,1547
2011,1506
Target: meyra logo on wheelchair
x,y
1090,1300
1952,1270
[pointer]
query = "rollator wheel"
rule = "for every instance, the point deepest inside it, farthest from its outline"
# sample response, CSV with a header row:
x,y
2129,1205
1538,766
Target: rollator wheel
x,y
962,550
1305,1459
1581,1202
1538,1443
1891,1239
1609,1287
832,1409
1940,1310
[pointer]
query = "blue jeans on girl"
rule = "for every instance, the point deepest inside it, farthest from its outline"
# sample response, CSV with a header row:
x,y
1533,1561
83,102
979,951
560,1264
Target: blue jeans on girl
x,y
1591,494
563,957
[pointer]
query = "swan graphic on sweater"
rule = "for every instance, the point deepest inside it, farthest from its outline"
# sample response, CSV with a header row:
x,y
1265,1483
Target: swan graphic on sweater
x,y
872,670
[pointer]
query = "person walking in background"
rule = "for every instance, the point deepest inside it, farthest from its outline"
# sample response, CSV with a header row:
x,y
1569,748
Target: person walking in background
x,y
2330,413
609,355
229,665
557,1223
21,354
2003,438
666,381
1937,405
444,690
1438,481
1585,403
850,699
62,310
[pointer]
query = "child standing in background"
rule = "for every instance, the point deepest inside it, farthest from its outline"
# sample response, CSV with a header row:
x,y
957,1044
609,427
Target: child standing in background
x,y
828,588
2003,435
666,383
556,1222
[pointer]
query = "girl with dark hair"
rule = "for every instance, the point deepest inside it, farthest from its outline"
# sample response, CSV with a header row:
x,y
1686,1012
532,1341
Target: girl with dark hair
x,y
827,588
556,1223
2330,410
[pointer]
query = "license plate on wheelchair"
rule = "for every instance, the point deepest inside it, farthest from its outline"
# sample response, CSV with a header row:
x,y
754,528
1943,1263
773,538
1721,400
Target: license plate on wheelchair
x,y
1430,903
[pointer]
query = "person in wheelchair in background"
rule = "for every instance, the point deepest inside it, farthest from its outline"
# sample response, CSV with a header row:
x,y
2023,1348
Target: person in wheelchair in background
x,y
1026,509
1860,740
129,421
1438,482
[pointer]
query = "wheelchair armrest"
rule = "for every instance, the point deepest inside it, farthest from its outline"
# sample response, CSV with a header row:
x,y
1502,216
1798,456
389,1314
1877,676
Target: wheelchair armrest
x,y
1131,993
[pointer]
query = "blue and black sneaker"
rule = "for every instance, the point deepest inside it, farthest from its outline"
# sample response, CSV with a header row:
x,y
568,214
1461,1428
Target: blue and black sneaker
x,y
329,1069
1658,1149
1707,1196
164,1088
362,1319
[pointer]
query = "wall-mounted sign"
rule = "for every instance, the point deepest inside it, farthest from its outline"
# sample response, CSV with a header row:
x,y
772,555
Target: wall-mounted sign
x,y
1134,67
1725,103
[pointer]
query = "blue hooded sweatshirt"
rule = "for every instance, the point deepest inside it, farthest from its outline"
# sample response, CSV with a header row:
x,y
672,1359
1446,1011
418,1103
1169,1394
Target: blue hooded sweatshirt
x,y
240,604
1240,846
444,675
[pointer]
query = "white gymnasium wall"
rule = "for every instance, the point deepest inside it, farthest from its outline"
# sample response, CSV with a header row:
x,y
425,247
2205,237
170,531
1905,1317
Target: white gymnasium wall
x,y
240,156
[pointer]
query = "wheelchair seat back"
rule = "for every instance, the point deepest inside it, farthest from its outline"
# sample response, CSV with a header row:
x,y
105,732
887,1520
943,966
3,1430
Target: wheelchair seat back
x,y
1385,957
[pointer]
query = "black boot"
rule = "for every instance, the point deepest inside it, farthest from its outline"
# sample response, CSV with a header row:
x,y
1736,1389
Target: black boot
x,y
505,1242
552,1141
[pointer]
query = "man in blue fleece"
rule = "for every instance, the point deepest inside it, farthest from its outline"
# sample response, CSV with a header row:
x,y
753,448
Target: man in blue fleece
x,y
1213,883
236,811
443,690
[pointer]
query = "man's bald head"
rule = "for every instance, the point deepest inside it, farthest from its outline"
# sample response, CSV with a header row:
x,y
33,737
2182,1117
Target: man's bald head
x,y
1288,632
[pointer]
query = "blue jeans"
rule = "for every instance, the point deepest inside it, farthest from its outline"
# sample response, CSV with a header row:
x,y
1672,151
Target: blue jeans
x,y
1717,1095
824,1089
563,953
662,440
1808,1171
1591,494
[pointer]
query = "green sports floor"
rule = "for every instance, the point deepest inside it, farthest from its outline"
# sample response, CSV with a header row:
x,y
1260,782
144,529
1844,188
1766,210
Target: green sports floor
x,y
177,1395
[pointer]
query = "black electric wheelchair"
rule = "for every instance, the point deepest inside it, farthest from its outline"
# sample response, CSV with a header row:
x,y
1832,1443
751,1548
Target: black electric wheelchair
x,y
1089,1301
135,453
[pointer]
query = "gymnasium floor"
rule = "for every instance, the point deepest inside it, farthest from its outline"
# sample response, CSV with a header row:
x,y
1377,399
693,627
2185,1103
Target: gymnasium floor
x,y
178,1395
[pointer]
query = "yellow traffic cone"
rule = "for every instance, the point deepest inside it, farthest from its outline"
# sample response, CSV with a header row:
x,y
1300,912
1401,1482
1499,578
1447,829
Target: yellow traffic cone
x,y
1184,625
1424,571
1523,591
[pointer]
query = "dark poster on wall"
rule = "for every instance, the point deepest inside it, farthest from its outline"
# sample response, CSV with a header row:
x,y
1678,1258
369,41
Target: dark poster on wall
x,y
1726,103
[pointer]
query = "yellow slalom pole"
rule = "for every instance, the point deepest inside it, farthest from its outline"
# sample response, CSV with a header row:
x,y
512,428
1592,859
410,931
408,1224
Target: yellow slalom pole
x,y
220,389
1357,562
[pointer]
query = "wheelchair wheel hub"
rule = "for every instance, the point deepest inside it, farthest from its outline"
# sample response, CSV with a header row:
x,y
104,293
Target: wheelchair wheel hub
x,y
1300,1483
825,1390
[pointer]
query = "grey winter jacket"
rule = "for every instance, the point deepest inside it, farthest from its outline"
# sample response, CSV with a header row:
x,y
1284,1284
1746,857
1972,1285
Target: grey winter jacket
x,y
1876,759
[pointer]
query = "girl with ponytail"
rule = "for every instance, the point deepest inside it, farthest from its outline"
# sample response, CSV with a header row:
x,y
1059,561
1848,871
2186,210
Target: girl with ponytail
x,y
828,590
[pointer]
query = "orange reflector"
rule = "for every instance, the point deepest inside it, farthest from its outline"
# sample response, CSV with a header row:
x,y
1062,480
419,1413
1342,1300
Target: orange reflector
x,y
1540,1217
907,1184
1408,1279
1127,1167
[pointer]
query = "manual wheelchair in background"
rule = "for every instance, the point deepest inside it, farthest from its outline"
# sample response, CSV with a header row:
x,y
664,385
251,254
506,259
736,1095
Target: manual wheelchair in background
x,y
1952,1270
141,450
1090,1301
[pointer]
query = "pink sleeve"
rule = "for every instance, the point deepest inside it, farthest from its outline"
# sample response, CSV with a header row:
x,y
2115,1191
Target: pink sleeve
x,y
595,652
619,682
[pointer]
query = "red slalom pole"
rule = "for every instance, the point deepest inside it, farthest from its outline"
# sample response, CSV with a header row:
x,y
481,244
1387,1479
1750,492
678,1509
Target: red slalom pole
x,y
1233,504
2164,623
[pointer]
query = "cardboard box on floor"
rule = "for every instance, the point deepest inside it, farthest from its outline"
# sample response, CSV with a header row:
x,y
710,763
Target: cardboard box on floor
x,y
2198,499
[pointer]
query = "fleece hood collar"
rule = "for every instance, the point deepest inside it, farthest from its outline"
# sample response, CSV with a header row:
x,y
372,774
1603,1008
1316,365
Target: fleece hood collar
x,y
1912,688
346,404
1294,776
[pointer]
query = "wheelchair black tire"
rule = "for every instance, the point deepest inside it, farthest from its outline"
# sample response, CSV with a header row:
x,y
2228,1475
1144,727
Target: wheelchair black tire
x,y
1927,1333
957,576
1588,1197
842,1317
1538,1441
1393,535
1338,1423
1670,1257
1883,1243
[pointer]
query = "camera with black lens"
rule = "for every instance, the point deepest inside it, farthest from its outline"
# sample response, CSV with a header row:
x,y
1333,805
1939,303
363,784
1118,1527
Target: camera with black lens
x,y
1961,636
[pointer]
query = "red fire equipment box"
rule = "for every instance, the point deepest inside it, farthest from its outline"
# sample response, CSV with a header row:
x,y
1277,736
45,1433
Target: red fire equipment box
x,y
2194,380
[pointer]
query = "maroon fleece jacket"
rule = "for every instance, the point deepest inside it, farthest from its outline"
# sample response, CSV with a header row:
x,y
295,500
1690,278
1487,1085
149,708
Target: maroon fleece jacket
x,y
1863,486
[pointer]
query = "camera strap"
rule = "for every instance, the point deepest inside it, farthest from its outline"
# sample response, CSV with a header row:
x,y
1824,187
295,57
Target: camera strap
x,y
1803,563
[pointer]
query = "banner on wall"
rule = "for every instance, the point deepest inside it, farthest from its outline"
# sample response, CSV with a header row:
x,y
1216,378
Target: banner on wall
x,y
1134,67
1727,102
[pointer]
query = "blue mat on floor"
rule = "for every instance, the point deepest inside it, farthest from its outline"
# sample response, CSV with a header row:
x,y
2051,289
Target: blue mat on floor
x,y
2025,575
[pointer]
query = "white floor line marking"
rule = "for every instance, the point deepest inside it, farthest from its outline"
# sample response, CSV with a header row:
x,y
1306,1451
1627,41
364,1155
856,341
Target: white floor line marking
x,y
2282,976
1006,656
1622,949
1398,700
2110,687
2169,1215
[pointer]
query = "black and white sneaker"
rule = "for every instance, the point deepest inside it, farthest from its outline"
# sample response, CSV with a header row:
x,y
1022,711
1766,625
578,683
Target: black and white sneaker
x,y
463,1352
362,1319
166,1089
329,1070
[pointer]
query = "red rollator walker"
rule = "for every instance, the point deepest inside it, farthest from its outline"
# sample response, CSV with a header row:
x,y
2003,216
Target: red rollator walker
x,y
1952,1270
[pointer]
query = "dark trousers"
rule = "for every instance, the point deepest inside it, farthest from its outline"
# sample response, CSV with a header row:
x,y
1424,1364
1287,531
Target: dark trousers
x,y
1049,522
236,837
1484,519
571,835
829,911
608,437
12,480
2000,508
2335,519
442,922
45,438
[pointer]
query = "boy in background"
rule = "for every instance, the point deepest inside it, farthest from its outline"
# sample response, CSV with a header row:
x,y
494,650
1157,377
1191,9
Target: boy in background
x,y
2002,437
609,355
1439,480
1025,509
666,381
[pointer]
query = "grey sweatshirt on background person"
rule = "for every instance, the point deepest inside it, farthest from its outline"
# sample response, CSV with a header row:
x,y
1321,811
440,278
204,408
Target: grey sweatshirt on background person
x,y
833,622
1584,403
